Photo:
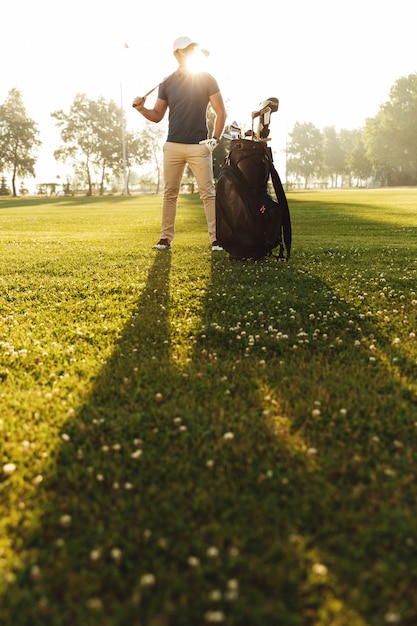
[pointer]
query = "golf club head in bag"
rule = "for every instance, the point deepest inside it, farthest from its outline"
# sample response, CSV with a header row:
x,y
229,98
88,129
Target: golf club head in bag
x,y
264,113
235,131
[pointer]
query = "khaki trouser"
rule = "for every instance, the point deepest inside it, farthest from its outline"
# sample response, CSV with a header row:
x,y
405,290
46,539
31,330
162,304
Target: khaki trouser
x,y
198,157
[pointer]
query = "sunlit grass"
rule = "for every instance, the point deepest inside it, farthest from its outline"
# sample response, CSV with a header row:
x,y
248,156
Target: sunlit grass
x,y
190,440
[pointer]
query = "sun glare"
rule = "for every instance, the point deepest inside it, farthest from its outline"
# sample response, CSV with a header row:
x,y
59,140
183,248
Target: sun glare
x,y
197,61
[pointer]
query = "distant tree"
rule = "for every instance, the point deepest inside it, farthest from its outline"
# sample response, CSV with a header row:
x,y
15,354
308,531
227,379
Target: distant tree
x,y
333,154
346,138
358,164
147,148
4,190
91,139
18,138
305,150
391,136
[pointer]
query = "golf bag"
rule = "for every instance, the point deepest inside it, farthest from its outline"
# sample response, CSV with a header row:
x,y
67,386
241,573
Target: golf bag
x,y
250,223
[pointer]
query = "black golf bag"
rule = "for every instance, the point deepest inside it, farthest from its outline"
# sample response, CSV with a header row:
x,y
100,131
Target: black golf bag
x,y
250,223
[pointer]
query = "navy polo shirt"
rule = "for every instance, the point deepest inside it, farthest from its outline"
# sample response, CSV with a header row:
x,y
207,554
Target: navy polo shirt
x,y
187,96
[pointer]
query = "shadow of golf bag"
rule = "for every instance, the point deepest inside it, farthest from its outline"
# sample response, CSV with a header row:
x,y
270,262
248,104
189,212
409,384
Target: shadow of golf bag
x,y
250,223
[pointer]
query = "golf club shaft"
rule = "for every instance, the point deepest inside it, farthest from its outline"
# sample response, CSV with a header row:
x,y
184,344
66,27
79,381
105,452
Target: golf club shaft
x,y
150,91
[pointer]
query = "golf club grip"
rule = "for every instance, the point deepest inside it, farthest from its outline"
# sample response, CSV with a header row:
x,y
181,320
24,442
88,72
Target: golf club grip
x,y
147,94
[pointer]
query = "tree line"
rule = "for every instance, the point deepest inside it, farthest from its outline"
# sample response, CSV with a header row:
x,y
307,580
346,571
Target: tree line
x,y
384,150
97,146
92,143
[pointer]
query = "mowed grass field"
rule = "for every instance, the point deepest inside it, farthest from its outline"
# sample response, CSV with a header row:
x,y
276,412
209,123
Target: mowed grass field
x,y
187,440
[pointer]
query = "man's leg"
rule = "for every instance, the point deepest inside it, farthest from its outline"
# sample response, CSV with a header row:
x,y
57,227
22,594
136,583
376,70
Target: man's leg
x,y
201,162
174,164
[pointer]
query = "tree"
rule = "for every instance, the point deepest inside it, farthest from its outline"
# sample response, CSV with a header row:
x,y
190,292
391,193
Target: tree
x,y
92,139
333,154
357,163
4,190
306,151
18,138
147,147
391,137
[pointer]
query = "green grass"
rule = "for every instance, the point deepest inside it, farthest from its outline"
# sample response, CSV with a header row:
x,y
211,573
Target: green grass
x,y
243,432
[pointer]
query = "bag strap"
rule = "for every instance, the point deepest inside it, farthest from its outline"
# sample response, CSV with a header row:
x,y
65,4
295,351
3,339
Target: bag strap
x,y
282,201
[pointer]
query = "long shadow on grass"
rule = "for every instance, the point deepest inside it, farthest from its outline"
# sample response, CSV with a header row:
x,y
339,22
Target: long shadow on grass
x,y
204,489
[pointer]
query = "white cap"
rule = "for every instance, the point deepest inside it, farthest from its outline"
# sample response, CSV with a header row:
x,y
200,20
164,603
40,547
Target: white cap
x,y
183,42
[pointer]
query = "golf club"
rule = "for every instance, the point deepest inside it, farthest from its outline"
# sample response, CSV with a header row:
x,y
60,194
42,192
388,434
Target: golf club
x,y
264,113
151,90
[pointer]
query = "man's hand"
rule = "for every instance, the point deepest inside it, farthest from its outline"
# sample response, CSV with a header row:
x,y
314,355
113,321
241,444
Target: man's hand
x,y
211,144
138,103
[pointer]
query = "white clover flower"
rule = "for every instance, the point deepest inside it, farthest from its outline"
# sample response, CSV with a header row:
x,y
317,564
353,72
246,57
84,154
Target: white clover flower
x,y
212,552
343,412
35,572
228,435
392,618
116,554
315,413
210,463
95,555
319,569
136,454
147,580
215,595
9,468
94,604
193,561
65,520
214,617
65,437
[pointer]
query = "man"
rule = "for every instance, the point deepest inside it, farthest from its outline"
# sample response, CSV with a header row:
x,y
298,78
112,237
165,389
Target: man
x,y
187,95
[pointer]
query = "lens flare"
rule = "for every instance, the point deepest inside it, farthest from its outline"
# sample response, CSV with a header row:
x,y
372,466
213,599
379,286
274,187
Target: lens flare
x,y
197,61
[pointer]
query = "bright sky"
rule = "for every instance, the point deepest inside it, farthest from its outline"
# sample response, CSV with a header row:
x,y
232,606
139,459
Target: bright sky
x,y
328,62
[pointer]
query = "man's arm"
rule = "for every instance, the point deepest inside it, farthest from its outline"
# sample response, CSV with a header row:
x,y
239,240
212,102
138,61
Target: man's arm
x,y
153,115
216,101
